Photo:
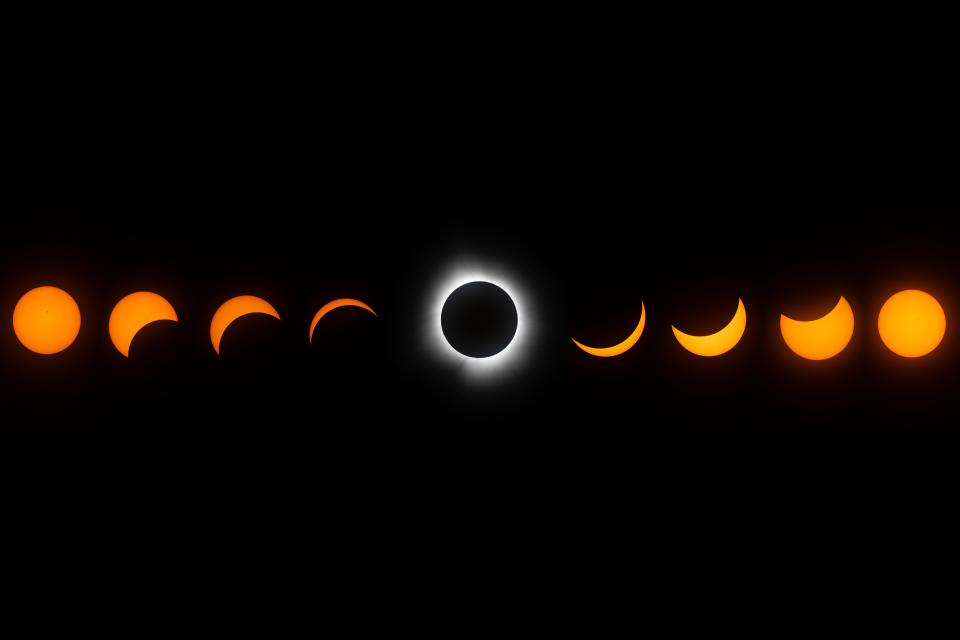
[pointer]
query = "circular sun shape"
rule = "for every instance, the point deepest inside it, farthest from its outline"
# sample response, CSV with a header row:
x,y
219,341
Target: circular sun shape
x,y
46,320
912,324
479,319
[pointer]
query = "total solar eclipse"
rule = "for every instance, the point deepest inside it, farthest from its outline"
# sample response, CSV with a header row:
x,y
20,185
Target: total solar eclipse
x,y
479,319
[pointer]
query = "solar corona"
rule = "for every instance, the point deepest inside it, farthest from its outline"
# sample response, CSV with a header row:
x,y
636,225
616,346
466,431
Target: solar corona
x,y
482,322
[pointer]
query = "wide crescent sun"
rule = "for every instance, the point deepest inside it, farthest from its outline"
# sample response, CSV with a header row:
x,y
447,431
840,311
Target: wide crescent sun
x,y
232,310
623,347
717,343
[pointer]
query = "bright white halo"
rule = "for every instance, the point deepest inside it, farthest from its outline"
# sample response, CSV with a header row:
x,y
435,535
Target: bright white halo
x,y
512,356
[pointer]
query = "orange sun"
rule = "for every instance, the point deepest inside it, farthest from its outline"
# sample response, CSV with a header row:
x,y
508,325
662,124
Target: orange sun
x,y
912,324
237,308
336,304
133,313
46,320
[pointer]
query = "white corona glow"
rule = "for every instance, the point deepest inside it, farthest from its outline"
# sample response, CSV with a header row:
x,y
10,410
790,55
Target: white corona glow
x,y
479,368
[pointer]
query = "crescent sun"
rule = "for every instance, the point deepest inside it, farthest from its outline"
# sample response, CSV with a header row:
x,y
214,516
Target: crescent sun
x,y
237,308
823,338
133,313
623,347
717,343
336,304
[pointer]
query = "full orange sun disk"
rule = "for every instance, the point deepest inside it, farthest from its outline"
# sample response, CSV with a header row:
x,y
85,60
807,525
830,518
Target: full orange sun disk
x,y
46,320
912,324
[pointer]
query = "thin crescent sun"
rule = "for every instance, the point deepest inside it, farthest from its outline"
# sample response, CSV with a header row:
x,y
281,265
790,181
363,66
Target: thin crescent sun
x,y
237,308
718,343
133,313
823,338
623,347
336,304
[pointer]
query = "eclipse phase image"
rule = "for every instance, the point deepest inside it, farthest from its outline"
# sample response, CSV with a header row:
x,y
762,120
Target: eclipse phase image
x,y
479,319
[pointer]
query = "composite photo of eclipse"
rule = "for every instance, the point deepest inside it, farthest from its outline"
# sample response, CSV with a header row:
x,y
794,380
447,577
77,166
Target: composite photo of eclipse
x,y
481,323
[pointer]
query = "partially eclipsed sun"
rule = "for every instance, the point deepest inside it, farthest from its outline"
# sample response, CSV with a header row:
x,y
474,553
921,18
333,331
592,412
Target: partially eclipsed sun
x,y
133,313
336,304
820,339
237,308
718,343
623,347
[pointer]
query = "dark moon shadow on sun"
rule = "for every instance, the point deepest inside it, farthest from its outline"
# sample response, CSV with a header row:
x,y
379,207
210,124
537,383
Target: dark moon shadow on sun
x,y
479,319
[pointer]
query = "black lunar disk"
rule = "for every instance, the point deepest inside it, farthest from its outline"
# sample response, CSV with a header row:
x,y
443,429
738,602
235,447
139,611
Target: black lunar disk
x,y
479,319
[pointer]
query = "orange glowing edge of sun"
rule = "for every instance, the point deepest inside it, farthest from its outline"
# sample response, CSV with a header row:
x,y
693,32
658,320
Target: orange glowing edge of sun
x,y
336,304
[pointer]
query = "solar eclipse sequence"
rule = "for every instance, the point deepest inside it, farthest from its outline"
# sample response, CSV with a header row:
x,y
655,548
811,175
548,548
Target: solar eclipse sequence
x,y
481,320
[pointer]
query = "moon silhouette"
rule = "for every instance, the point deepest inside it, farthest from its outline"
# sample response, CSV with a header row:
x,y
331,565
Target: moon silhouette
x,y
133,313
237,308
46,320
623,347
717,343
823,338
336,304
479,319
